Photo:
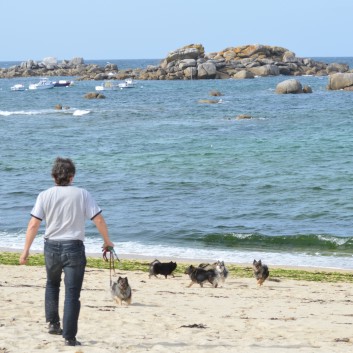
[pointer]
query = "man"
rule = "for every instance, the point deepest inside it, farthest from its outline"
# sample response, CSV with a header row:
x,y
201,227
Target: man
x,y
65,209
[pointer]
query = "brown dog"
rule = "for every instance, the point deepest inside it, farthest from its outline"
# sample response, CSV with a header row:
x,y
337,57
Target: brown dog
x,y
261,272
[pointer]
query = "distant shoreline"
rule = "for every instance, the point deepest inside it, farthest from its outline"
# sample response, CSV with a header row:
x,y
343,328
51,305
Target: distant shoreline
x,y
186,63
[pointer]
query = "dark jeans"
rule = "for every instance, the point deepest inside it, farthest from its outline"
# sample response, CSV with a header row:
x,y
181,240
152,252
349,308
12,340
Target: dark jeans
x,y
68,256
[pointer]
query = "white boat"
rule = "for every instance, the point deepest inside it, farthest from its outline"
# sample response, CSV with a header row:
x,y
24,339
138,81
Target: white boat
x,y
128,83
108,86
44,83
112,86
18,87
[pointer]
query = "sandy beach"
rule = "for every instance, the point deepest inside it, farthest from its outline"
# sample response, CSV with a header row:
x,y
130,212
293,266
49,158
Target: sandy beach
x,y
167,316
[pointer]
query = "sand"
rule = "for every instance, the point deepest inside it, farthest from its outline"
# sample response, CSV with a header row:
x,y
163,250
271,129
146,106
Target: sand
x,y
167,316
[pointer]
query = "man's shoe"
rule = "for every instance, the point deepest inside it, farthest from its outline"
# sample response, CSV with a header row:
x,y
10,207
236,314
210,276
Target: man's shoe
x,y
72,342
55,329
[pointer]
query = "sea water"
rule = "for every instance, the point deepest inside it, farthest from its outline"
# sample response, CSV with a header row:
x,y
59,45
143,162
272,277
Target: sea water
x,y
177,178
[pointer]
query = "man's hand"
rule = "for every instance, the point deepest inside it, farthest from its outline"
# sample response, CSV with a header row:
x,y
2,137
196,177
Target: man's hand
x,y
24,258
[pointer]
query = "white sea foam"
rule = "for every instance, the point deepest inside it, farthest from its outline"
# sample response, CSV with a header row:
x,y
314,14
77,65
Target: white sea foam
x,y
20,112
152,251
230,256
335,240
28,112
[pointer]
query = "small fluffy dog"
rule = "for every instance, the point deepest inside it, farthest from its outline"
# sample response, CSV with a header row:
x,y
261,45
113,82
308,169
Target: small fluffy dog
x,y
219,267
261,272
162,268
200,275
121,291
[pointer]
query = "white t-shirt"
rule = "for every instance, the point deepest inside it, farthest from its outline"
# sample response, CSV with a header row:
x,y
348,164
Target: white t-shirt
x,y
65,210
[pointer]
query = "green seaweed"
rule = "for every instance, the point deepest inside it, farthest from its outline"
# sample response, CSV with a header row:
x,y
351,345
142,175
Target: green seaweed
x,y
236,271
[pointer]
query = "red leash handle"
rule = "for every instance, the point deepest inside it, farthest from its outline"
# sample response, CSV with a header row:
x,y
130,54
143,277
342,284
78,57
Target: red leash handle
x,y
111,250
112,254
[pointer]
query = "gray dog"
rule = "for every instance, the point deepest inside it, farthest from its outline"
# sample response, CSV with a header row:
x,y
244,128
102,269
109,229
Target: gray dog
x,y
200,275
219,267
121,291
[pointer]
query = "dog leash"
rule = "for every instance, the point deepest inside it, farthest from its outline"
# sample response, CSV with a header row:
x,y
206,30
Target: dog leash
x,y
112,256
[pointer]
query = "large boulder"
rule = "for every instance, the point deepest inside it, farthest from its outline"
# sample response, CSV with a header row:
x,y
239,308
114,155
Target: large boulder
x,y
192,51
50,62
190,72
337,67
206,70
259,51
243,74
187,63
340,81
307,89
94,95
29,64
265,70
289,57
77,61
111,67
289,86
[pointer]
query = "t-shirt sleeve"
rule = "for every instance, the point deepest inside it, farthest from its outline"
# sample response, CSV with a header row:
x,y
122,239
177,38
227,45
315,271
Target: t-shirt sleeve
x,y
92,208
37,210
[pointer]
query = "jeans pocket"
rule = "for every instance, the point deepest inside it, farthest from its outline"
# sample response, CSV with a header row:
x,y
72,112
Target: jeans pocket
x,y
49,259
75,258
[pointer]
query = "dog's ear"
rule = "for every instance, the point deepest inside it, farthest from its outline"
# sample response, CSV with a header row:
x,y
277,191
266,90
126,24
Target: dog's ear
x,y
254,262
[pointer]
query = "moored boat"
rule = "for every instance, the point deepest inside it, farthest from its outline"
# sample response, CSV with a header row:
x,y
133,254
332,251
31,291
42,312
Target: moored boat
x,y
63,83
128,83
112,86
44,83
108,86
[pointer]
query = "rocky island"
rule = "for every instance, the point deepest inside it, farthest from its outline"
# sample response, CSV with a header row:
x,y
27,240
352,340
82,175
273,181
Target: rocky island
x,y
190,63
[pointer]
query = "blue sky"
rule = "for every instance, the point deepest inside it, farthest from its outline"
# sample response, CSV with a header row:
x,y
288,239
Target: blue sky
x,y
141,29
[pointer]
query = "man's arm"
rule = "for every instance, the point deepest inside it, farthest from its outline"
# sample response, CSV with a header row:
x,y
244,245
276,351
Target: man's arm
x,y
99,221
32,230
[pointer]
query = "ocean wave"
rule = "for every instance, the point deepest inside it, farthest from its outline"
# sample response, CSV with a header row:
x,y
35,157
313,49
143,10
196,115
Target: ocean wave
x,y
302,242
151,251
312,244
